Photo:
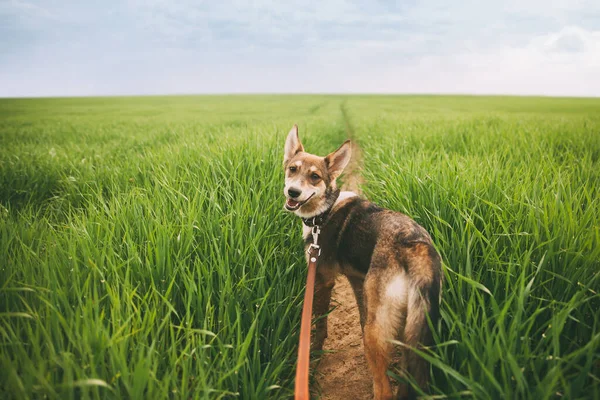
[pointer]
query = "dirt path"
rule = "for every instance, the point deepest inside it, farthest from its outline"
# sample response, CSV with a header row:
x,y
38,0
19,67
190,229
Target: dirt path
x,y
352,177
342,372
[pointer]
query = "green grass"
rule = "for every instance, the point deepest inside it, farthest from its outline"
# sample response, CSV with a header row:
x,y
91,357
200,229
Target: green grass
x,y
146,252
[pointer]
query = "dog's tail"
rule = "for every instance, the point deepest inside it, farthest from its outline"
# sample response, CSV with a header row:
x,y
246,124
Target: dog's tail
x,y
423,304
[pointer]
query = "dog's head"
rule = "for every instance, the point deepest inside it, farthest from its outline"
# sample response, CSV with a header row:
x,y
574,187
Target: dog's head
x,y
310,187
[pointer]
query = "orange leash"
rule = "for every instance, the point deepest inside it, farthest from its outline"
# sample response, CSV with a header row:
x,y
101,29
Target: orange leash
x,y
301,390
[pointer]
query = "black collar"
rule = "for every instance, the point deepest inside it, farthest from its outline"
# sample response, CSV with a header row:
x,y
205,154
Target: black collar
x,y
317,220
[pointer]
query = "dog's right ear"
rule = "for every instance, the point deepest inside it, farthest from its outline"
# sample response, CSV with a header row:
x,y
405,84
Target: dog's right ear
x,y
292,145
339,159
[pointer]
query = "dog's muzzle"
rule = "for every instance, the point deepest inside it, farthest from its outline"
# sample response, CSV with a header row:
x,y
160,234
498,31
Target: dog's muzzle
x,y
293,205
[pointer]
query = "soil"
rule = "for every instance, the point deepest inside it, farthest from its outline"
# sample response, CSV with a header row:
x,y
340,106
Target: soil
x,y
352,177
342,372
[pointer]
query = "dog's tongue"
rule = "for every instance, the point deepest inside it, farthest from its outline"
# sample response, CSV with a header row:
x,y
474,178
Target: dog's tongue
x,y
292,203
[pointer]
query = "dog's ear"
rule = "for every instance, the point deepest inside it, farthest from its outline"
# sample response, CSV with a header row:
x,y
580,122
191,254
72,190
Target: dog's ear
x,y
292,145
337,161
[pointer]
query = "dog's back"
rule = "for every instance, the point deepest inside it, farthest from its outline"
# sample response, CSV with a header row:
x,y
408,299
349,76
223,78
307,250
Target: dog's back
x,y
401,278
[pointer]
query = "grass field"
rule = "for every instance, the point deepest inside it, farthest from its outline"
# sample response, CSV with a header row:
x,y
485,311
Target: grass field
x,y
146,254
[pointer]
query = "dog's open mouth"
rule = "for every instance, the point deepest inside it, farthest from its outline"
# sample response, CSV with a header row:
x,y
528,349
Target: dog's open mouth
x,y
293,205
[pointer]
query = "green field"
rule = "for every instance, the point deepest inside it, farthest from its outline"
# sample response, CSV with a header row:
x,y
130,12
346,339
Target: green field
x,y
145,252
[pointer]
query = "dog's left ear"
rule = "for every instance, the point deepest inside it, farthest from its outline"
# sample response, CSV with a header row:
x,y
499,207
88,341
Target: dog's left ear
x,y
292,145
337,161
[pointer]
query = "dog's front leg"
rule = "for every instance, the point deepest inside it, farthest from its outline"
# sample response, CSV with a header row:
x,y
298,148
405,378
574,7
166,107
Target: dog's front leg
x,y
357,286
324,284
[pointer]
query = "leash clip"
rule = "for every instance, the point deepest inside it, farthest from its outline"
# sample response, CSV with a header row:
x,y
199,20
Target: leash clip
x,y
315,233
316,230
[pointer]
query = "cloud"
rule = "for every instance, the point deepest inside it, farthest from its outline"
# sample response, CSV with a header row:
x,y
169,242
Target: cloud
x,y
573,39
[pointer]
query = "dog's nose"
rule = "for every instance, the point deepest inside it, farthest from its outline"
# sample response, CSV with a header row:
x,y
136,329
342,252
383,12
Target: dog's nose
x,y
294,192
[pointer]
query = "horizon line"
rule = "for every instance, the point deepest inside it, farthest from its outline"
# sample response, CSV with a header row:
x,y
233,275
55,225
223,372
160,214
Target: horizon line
x,y
216,94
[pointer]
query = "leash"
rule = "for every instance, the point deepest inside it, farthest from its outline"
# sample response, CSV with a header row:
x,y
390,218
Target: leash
x,y
314,251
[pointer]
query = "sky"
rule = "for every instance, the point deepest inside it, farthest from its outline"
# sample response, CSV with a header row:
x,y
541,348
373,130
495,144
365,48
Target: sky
x,y
135,47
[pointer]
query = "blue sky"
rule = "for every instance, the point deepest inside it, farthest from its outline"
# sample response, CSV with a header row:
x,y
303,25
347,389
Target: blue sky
x,y
72,48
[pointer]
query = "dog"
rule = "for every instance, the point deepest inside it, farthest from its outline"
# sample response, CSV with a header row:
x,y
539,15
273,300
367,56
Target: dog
x,y
389,260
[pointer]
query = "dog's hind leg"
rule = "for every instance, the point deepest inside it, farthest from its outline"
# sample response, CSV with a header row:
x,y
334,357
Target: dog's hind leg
x,y
383,320
324,284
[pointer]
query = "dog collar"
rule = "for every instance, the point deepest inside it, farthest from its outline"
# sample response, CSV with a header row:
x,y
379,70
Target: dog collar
x,y
320,219
317,220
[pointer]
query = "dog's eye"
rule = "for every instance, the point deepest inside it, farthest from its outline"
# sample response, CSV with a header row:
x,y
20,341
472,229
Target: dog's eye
x,y
292,169
315,177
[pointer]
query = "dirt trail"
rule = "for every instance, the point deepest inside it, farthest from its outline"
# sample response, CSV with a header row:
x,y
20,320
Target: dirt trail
x,y
342,372
352,177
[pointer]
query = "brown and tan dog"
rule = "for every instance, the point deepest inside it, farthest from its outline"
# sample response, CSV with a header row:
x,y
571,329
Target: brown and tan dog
x,y
388,258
